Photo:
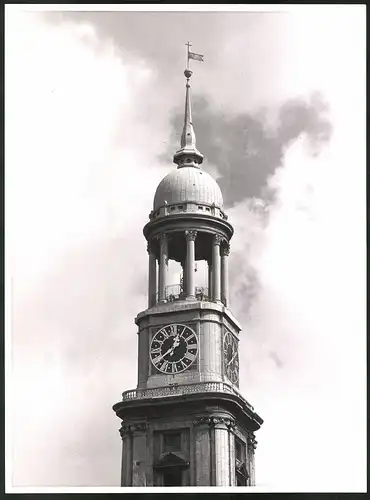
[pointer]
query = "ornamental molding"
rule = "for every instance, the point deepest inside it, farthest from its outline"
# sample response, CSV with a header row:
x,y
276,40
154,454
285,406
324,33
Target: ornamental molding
x,y
202,421
128,429
229,423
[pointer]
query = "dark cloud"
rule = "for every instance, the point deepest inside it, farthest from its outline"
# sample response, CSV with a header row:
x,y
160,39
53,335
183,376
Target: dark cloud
x,y
245,150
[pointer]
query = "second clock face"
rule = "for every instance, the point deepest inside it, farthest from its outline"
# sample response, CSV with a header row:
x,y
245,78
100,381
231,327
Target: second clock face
x,y
174,348
231,357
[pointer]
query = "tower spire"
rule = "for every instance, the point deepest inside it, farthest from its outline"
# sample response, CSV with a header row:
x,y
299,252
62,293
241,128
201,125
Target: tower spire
x,y
188,155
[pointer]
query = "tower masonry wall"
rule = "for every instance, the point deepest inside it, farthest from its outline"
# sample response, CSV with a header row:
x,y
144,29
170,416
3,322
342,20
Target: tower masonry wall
x,y
209,325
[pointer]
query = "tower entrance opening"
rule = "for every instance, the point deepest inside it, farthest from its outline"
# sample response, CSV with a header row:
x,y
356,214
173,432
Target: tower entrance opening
x,y
172,476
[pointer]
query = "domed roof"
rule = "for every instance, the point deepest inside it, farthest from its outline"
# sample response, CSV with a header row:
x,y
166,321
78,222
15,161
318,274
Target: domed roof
x,y
188,184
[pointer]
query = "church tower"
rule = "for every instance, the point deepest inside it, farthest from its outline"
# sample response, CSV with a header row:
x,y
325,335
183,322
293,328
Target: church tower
x,y
186,423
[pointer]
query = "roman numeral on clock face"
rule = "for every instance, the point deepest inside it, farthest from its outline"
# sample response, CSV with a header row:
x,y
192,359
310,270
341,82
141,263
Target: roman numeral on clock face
x,y
189,356
164,366
157,359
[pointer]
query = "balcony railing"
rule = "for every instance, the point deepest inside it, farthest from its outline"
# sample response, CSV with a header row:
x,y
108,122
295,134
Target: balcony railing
x,y
176,292
178,390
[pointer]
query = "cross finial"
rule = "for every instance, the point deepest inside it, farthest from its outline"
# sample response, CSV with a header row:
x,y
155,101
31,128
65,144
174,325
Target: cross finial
x,y
187,54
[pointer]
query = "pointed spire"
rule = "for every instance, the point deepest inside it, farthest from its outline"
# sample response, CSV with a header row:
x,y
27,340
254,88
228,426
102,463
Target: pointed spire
x,y
188,155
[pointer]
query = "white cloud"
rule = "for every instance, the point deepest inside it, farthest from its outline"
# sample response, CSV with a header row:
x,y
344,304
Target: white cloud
x,y
305,344
79,176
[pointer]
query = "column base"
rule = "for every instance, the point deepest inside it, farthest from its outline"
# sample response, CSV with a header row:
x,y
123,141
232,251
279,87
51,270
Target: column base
x,y
218,301
190,297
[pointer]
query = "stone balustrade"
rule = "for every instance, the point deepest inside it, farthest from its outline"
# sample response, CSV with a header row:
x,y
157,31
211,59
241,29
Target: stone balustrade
x,y
177,390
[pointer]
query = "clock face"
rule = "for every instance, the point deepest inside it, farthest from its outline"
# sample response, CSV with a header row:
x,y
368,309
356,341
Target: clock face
x,y
231,357
173,348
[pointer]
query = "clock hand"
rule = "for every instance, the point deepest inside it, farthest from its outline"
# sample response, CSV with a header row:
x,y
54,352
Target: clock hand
x,y
165,354
172,348
175,344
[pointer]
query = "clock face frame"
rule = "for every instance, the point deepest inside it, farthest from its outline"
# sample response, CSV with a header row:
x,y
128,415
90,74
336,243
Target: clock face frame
x,y
173,348
231,357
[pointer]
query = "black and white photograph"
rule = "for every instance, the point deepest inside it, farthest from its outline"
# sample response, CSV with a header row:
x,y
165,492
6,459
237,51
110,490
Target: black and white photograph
x,y
185,248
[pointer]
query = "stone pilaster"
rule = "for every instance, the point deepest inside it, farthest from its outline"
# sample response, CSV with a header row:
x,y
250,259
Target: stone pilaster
x,y
222,450
139,441
203,465
231,426
126,471
251,446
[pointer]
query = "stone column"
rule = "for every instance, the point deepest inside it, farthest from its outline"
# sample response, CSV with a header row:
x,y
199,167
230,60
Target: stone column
x,y
190,264
163,266
210,294
203,473
126,470
222,451
216,271
225,251
152,276
139,454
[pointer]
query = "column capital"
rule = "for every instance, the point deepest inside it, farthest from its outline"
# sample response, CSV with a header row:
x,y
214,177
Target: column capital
x,y
251,441
191,234
223,422
225,250
138,427
124,430
203,421
149,247
161,237
217,239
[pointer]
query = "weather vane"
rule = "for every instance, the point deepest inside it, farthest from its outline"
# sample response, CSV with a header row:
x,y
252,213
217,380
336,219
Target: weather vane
x,y
191,55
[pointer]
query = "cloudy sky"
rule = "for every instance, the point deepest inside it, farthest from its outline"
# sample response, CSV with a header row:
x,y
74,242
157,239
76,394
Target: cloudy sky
x,y
94,104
